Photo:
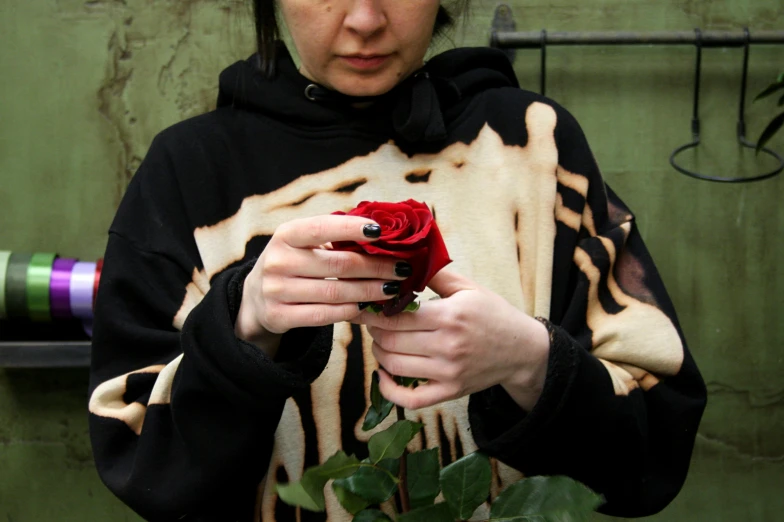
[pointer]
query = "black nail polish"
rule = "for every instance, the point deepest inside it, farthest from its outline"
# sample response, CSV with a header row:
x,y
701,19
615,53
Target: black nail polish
x,y
391,288
403,269
372,231
362,306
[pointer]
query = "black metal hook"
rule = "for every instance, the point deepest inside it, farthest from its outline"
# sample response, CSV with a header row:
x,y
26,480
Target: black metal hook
x,y
741,129
543,65
742,116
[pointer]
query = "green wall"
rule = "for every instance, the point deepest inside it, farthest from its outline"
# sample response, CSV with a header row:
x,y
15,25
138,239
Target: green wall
x,y
86,85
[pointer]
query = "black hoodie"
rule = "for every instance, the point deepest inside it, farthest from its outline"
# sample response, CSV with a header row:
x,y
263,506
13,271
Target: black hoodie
x,y
190,423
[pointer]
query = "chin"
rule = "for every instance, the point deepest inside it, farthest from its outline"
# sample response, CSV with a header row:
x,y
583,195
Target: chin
x,y
365,86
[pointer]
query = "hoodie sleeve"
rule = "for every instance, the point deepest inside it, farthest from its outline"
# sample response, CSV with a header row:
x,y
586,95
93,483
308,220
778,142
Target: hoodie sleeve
x,y
182,416
623,397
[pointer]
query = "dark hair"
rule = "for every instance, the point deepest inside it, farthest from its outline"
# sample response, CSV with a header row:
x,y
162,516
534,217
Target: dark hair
x,y
267,31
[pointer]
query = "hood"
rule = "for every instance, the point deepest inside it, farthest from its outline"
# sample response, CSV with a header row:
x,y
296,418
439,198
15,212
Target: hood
x,y
414,110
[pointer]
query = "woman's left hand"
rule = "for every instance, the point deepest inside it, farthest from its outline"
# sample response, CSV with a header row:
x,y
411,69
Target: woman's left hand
x,y
467,341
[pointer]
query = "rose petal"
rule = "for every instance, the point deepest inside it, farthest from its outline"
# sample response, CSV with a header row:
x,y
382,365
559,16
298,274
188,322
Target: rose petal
x,y
438,256
415,220
372,248
408,232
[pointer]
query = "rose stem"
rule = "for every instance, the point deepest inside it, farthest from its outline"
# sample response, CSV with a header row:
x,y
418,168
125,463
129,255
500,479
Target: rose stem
x,y
403,486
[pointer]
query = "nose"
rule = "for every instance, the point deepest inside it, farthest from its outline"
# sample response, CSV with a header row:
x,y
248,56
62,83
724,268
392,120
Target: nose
x,y
365,17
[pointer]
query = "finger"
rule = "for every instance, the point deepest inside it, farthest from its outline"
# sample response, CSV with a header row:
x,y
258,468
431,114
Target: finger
x,y
446,283
424,319
424,395
303,290
406,342
304,315
316,231
353,265
322,264
408,365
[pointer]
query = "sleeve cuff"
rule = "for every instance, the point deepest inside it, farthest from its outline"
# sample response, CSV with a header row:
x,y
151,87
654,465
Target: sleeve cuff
x,y
499,426
240,368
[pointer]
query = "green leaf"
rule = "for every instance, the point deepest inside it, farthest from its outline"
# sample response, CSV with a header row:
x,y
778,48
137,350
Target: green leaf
x,y
437,513
296,494
772,128
423,473
391,465
375,391
371,515
379,407
408,381
392,442
413,306
466,484
337,466
351,502
781,100
780,77
375,308
770,89
545,499
375,417
373,483
309,491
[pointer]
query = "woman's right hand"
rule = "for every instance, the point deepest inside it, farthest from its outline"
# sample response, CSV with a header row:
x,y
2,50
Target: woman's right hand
x,y
289,287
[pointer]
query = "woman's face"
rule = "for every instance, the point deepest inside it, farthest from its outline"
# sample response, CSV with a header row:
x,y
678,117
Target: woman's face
x,y
360,47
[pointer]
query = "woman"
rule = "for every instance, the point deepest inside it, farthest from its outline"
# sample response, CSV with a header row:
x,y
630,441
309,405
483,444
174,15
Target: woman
x,y
227,357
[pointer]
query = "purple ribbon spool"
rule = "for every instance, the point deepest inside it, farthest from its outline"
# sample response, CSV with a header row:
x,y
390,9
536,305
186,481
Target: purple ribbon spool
x,y
60,288
82,285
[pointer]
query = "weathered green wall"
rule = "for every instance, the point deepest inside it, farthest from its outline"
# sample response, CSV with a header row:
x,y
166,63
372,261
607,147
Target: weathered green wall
x,y
86,85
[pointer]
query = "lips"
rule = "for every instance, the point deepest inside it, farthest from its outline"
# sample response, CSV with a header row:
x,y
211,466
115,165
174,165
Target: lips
x,y
365,61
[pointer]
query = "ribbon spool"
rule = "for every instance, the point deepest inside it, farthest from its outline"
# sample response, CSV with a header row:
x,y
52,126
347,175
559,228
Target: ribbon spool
x,y
16,285
60,288
82,289
39,275
4,257
98,268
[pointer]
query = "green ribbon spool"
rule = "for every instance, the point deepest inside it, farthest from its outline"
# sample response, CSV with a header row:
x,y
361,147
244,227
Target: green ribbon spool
x,y
16,285
39,277
4,257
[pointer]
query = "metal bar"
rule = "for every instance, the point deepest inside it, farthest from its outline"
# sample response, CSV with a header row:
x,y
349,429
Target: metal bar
x,y
534,40
45,354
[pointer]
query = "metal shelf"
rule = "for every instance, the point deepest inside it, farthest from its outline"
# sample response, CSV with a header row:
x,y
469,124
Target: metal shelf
x,y
74,354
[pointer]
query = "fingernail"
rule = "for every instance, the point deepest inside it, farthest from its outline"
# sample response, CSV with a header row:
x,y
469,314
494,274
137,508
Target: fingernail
x,y
362,306
372,231
403,269
391,288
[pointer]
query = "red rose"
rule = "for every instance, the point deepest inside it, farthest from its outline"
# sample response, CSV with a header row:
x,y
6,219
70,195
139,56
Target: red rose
x,y
409,233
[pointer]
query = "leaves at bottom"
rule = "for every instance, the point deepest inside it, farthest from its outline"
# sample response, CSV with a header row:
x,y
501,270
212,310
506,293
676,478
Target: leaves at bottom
x,y
423,470
545,499
392,442
466,484
374,484
309,491
350,502
371,515
379,407
437,513
302,494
